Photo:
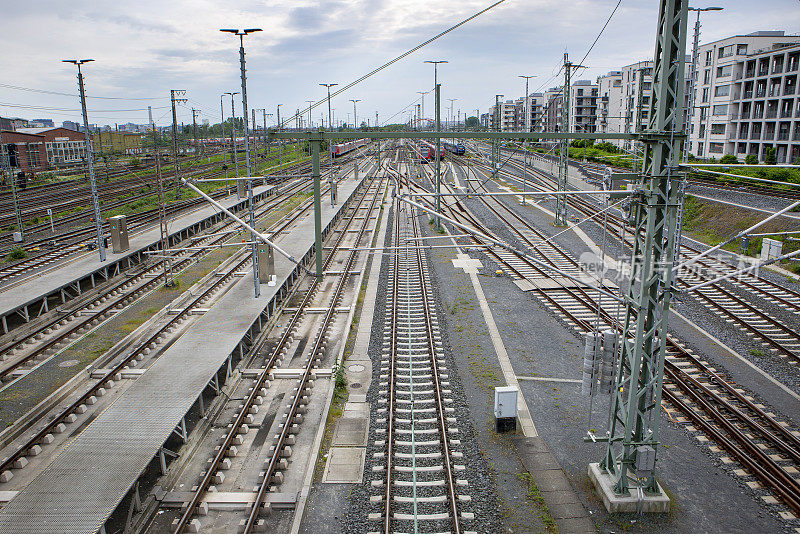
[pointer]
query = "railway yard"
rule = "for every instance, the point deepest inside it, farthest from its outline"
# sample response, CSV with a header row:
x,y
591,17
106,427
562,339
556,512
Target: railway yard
x,y
417,326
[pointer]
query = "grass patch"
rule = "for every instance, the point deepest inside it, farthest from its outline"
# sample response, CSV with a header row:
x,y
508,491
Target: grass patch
x,y
758,353
534,496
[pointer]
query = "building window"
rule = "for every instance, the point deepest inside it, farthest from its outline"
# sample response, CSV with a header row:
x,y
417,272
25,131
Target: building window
x,y
717,129
707,77
722,72
715,148
708,58
720,110
722,90
33,155
705,95
741,50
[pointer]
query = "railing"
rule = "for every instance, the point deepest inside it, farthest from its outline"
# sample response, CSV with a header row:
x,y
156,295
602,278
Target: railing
x,y
786,113
783,136
757,114
796,136
790,90
763,72
748,94
777,69
738,76
771,114
750,73
745,114
755,135
761,94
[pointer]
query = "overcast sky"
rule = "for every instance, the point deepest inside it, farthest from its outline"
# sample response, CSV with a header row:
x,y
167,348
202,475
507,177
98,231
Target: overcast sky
x,y
143,49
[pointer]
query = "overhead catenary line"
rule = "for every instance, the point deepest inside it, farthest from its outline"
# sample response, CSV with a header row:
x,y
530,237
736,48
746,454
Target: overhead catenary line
x,y
391,62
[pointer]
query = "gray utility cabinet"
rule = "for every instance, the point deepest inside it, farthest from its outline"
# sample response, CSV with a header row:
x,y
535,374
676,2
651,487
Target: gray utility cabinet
x,y
266,264
119,233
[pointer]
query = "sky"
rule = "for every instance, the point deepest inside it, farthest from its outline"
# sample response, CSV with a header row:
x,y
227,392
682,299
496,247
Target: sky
x,y
143,49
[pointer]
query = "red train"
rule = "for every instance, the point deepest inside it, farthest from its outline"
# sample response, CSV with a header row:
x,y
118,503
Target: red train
x,y
344,148
427,151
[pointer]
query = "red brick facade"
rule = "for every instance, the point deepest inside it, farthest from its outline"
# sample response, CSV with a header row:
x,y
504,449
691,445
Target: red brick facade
x,y
25,152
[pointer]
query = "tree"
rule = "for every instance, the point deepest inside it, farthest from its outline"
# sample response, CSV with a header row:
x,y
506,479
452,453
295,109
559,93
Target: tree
x,y
770,158
751,159
729,159
472,122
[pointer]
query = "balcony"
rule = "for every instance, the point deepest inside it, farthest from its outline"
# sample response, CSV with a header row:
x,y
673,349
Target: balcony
x,y
757,114
783,136
789,91
747,94
745,114
796,136
771,114
763,72
777,69
755,135
750,73
786,113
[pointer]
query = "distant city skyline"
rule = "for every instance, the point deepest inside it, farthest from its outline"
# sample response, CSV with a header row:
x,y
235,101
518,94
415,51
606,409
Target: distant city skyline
x,y
142,51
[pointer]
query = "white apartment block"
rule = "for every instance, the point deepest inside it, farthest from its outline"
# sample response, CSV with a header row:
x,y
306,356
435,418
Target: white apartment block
x,y
583,106
746,97
610,104
507,116
534,108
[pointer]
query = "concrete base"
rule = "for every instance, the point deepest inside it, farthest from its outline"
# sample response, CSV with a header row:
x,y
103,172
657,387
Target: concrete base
x,y
604,486
505,424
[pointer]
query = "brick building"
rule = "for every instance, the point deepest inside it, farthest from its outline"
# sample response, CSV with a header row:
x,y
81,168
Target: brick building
x,y
62,146
24,152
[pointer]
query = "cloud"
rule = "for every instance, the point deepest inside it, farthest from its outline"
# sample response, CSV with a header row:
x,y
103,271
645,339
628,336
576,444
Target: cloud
x,y
148,47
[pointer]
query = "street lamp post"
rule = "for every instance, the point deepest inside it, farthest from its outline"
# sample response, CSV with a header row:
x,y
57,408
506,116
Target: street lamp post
x,y
355,115
451,111
422,102
233,134
330,120
280,142
495,142
438,139
95,201
693,76
527,129
253,246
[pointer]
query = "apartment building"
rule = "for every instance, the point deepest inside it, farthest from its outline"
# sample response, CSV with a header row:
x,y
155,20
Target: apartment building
x,y
746,97
507,116
583,106
534,108
609,104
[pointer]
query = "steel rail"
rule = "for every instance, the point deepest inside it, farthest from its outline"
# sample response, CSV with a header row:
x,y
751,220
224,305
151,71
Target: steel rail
x,y
313,355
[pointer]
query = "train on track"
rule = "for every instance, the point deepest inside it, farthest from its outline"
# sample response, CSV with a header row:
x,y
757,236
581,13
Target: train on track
x,y
455,147
426,151
344,148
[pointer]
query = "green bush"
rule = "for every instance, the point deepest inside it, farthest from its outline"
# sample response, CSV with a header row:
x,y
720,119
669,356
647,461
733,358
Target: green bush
x,y
729,159
751,159
770,158
16,253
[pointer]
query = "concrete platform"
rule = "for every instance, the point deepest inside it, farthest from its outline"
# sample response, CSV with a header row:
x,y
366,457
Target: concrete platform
x,y
28,298
603,485
88,480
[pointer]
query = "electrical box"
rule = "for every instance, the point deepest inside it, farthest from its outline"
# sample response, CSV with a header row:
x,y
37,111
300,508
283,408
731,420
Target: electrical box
x,y
645,460
17,237
119,233
770,248
266,264
333,192
619,182
355,170
241,189
505,408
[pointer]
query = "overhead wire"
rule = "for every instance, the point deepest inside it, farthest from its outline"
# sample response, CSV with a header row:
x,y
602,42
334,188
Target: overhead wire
x,y
392,61
44,91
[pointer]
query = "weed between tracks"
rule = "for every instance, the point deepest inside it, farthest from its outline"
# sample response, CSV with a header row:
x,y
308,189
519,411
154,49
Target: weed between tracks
x,y
534,496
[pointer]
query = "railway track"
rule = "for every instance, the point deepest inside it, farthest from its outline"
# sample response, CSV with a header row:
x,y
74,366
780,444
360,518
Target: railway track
x,y
762,320
766,446
130,357
52,335
420,488
313,353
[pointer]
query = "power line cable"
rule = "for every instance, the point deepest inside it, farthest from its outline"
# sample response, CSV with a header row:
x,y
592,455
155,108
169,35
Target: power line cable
x,y
391,62
46,92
